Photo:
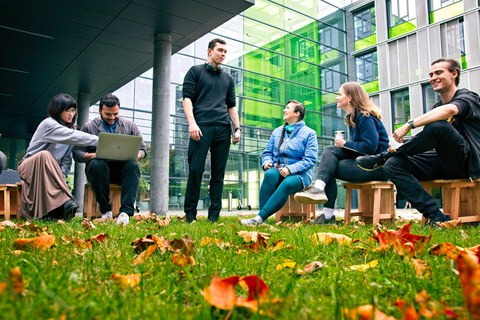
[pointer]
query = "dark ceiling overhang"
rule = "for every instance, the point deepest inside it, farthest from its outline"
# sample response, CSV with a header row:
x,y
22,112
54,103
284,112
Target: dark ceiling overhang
x,y
88,46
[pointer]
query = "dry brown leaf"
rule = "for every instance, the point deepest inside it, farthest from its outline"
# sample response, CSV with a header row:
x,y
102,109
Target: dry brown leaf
x,y
311,267
141,244
451,224
42,242
87,224
164,222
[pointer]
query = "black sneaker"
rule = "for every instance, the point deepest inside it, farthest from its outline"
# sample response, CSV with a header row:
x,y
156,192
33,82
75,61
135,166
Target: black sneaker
x,y
189,218
69,209
372,162
213,217
436,218
322,220
311,195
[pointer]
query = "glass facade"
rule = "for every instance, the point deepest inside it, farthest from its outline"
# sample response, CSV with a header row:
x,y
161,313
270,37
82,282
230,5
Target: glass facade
x,y
400,107
277,51
401,17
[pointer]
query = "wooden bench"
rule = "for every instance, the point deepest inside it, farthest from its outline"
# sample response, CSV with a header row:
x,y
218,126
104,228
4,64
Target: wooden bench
x,y
91,208
376,199
295,210
9,201
460,197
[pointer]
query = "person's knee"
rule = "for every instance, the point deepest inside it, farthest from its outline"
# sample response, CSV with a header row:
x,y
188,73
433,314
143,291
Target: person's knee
x,y
393,164
3,161
438,127
96,166
271,174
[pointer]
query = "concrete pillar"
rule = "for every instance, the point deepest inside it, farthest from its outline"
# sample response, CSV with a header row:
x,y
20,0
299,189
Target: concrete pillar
x,y
79,176
159,177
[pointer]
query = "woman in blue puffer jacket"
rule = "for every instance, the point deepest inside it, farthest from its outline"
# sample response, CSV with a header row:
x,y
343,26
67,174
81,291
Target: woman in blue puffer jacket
x,y
288,159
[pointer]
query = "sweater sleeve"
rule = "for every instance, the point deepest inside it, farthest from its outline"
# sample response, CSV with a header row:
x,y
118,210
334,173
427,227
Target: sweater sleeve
x,y
190,85
56,133
366,136
267,155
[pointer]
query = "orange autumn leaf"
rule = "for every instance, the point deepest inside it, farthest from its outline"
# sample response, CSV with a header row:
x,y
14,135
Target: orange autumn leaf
x,y
449,250
408,311
42,242
468,264
143,256
422,269
99,238
221,292
182,260
366,312
141,244
129,280
15,281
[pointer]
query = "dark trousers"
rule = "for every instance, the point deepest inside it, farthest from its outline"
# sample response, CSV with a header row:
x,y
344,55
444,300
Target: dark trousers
x,y
438,152
100,173
275,190
217,140
339,163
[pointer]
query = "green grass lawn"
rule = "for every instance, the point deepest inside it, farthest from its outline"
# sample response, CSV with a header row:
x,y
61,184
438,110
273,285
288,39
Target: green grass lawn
x,y
68,282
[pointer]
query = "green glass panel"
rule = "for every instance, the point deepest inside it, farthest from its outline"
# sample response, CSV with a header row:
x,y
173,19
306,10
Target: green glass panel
x,y
366,42
402,28
464,62
446,12
329,56
371,86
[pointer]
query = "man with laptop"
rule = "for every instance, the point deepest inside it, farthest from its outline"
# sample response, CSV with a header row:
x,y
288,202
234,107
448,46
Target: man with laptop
x,y
116,165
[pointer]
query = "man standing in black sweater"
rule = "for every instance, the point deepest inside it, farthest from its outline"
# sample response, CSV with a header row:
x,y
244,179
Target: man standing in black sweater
x,y
209,104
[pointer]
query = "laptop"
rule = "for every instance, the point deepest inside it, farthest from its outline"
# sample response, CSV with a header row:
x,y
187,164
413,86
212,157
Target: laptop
x,y
120,147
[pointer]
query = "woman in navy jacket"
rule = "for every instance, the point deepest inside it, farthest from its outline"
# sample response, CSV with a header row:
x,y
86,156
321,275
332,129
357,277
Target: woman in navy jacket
x,y
368,136
288,159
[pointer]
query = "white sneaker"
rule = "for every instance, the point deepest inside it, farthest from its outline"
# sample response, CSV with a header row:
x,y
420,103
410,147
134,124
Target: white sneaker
x,y
123,219
250,222
107,215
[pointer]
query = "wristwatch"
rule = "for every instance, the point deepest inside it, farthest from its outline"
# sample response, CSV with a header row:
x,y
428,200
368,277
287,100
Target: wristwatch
x,y
410,123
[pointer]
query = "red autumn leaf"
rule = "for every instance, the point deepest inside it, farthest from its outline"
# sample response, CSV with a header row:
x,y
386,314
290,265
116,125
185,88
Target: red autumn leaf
x,y
221,292
142,257
366,312
468,264
403,242
42,242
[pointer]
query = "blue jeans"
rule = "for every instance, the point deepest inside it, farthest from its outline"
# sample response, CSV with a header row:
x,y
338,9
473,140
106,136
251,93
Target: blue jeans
x,y
339,163
439,151
275,190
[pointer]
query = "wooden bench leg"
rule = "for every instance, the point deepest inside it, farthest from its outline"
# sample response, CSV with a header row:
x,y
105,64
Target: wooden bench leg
x,y
348,205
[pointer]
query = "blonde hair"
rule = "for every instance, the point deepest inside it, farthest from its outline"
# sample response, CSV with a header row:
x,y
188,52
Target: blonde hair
x,y
360,101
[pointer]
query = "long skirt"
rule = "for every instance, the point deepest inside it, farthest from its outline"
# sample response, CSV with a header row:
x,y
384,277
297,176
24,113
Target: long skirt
x,y
43,186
